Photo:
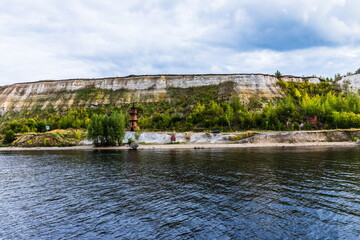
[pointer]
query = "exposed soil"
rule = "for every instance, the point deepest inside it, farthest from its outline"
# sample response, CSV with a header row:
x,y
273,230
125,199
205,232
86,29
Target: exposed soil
x,y
50,139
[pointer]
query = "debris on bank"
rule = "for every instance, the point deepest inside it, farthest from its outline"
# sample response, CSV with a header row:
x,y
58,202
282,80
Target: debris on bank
x,y
61,138
171,137
305,136
349,135
56,138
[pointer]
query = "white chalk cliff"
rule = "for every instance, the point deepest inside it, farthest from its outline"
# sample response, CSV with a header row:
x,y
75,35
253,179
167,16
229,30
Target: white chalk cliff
x,y
62,93
352,82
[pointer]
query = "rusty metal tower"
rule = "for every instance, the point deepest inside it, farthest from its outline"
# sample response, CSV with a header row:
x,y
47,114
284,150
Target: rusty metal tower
x,y
133,119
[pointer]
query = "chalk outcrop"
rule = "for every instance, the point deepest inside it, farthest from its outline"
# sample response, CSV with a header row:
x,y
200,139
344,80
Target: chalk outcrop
x,y
351,82
304,136
63,93
191,139
254,138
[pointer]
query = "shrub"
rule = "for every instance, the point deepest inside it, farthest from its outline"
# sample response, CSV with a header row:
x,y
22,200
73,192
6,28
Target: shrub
x,y
295,126
137,134
25,129
32,124
15,126
77,135
41,126
130,141
9,136
46,140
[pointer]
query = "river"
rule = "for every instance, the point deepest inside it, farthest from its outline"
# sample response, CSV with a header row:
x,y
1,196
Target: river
x,y
291,193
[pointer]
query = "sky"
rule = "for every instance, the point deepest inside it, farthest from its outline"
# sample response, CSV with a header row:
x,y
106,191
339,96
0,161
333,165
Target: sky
x,y
52,39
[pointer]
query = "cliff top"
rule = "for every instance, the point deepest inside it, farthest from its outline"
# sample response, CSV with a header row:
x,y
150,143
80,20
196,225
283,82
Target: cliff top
x,y
151,76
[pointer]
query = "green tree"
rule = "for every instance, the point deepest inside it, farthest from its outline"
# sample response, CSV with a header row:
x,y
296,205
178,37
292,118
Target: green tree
x,y
337,77
116,131
95,130
228,114
278,74
107,130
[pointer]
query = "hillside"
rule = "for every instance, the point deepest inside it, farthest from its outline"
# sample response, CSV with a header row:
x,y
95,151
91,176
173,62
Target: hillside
x,y
65,94
228,102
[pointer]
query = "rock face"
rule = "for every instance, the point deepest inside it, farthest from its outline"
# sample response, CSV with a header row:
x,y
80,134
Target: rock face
x,y
263,137
149,88
352,82
189,137
304,136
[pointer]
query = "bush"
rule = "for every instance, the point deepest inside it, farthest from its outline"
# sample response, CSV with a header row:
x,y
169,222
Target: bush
x,y
130,141
25,129
9,136
32,124
15,126
41,126
137,134
77,134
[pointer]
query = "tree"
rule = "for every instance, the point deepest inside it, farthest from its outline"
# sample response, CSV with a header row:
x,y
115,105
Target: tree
x,y
357,71
107,130
337,77
95,130
228,114
115,125
278,74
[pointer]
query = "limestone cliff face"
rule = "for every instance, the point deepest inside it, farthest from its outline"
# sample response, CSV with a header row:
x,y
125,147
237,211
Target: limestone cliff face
x,y
352,82
65,93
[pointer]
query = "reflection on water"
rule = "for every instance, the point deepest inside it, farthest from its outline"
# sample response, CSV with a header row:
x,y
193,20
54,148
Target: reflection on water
x,y
181,194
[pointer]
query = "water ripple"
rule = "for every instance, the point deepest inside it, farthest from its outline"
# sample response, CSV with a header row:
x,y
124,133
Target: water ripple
x,y
181,194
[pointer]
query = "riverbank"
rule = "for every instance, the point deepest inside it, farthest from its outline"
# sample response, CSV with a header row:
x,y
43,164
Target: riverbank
x,y
75,140
187,146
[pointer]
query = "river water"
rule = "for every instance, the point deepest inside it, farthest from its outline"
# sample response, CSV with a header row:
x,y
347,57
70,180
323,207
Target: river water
x,y
311,193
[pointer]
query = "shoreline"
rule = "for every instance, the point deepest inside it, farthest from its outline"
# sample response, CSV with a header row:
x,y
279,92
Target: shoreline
x,y
187,146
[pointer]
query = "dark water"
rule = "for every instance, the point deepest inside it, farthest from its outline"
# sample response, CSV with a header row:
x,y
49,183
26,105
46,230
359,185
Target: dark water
x,y
181,194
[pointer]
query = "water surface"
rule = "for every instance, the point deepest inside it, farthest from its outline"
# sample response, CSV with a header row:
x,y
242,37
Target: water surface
x,y
312,193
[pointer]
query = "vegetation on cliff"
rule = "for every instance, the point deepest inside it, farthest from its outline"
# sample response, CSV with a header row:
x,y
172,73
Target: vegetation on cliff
x,y
196,109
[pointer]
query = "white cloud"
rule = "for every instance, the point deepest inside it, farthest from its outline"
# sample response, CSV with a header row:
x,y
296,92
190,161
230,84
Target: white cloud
x,y
71,39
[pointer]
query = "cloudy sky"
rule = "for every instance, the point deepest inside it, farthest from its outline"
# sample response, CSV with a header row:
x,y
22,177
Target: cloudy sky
x,y
52,39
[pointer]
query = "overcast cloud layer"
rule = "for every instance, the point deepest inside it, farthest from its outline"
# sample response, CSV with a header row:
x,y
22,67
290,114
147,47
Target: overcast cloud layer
x,y
51,39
